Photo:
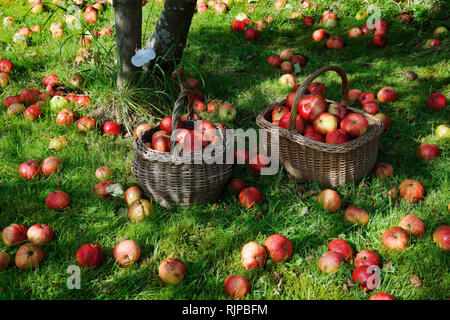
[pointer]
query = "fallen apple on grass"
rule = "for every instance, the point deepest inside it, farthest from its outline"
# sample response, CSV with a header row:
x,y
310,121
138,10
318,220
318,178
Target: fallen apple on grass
x,y
443,131
382,296
29,256
57,200
4,260
319,35
32,113
379,40
427,151
330,261
132,194
413,225
366,258
15,109
329,200
437,102
237,287
139,210
29,170
279,247
40,233
90,255
111,128
101,189
442,237
172,271
395,238
354,94
365,97
385,119
386,94
51,165
126,252
355,32
14,234
103,173
236,185
58,143
287,79
335,42
371,108
365,276
253,255
412,190
383,170
341,246
252,34
356,215
85,124
250,197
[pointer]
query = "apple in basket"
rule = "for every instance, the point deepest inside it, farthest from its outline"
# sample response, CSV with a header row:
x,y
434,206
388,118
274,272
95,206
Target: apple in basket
x,y
311,106
355,125
278,112
337,136
166,124
338,110
325,123
299,124
317,88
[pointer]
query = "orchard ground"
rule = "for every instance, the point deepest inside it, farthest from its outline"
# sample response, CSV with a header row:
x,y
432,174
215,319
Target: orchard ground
x,y
209,238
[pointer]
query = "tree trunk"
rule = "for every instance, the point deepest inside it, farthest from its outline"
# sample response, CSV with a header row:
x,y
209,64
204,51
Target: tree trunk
x,y
128,18
171,31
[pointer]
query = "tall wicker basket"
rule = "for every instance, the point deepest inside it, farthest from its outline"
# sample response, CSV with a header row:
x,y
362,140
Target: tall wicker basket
x,y
328,164
169,182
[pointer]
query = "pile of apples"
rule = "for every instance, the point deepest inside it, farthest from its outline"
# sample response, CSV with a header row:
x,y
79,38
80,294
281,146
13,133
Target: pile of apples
x,y
251,28
317,120
220,7
253,256
287,61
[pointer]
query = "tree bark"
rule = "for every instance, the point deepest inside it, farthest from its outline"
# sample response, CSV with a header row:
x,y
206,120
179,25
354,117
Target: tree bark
x,y
171,31
128,18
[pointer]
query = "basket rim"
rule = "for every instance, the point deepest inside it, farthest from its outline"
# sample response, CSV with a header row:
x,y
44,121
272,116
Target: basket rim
x,y
373,131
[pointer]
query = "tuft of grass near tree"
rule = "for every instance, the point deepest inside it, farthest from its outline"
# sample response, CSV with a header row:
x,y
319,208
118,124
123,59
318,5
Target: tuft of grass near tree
x,y
209,238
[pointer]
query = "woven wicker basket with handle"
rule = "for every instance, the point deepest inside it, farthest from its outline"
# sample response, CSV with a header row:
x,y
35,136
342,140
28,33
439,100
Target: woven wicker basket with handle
x,y
328,164
168,181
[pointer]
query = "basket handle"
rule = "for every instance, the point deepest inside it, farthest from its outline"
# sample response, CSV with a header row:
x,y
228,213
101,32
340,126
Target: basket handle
x,y
176,112
301,91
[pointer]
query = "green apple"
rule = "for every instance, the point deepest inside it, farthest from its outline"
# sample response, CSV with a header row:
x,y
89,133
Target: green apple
x,y
58,103
443,131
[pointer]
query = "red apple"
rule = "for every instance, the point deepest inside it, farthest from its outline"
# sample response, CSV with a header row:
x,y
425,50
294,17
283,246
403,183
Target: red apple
x,y
308,21
299,124
236,185
412,225
101,189
354,124
251,34
221,7
40,233
82,101
249,197
238,26
364,277
386,94
330,261
258,162
30,96
436,102
341,246
314,136
57,200
287,79
51,165
287,67
379,40
287,54
253,255
365,97
65,117
290,99
354,94
29,256
311,106
412,190
442,237
371,108
356,215
4,260
126,252
241,156
383,170
366,258
385,119
111,128
337,136
237,287
32,113
335,42
395,238
91,17
172,271
338,110
202,8
355,32
274,61
90,255
325,123
428,151
329,200
319,35
103,173
191,83
86,123
298,58
279,247
6,66
166,124
382,296
14,234
132,194
50,79
12,100
29,170
432,43
317,88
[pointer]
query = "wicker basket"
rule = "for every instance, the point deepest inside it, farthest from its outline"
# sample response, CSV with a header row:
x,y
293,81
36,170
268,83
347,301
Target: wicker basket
x,y
327,164
168,181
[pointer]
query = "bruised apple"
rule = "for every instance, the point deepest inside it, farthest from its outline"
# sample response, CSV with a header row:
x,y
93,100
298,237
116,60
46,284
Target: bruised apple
x,y
356,215
139,210
329,200
330,261
29,256
237,287
253,255
412,190
172,271
279,247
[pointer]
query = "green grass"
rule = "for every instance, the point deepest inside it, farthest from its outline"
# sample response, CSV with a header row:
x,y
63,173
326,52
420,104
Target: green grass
x,y
209,238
